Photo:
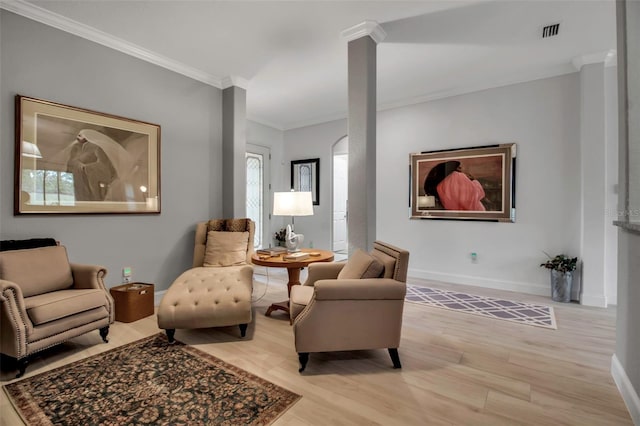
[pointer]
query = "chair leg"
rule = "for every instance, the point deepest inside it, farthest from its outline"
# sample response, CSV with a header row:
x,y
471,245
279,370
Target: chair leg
x,y
104,331
243,330
304,358
22,366
171,332
395,358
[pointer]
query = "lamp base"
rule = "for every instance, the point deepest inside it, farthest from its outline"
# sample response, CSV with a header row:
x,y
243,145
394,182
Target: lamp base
x,y
293,241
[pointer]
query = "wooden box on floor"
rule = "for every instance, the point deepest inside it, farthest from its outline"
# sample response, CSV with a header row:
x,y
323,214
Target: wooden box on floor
x,y
133,301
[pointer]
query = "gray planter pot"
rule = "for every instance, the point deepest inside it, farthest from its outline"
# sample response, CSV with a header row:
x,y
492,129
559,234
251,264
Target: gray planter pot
x,y
561,285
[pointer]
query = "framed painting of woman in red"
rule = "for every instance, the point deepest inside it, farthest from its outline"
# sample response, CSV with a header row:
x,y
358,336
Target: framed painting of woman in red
x,y
476,183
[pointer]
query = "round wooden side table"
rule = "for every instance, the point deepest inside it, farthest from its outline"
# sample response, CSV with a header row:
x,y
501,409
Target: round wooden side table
x,y
293,270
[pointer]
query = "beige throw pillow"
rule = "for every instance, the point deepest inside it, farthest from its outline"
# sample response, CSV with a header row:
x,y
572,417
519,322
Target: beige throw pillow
x,y
226,248
361,265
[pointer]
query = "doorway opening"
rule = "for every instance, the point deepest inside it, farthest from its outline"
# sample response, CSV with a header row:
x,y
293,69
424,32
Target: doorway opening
x,y
340,209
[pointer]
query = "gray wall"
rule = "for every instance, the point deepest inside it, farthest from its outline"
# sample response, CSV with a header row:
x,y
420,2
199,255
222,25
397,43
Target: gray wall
x,y
628,319
541,116
42,62
313,142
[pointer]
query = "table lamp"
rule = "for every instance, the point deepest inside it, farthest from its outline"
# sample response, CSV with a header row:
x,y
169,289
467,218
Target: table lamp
x,y
292,204
31,150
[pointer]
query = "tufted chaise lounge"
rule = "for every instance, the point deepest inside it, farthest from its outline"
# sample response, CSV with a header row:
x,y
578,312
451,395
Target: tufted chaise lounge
x,y
214,295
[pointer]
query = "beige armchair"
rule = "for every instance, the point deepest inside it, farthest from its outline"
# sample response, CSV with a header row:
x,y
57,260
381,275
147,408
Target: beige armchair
x,y
45,300
216,292
332,313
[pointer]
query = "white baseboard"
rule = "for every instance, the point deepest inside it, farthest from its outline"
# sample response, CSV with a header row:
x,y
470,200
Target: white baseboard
x,y
157,297
528,288
629,394
589,300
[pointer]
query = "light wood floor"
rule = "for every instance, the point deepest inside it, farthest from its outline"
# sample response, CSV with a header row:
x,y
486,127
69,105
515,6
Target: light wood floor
x,y
457,369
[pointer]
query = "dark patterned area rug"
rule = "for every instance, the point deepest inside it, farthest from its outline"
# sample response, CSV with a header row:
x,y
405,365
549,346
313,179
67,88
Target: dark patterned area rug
x,y
149,382
508,310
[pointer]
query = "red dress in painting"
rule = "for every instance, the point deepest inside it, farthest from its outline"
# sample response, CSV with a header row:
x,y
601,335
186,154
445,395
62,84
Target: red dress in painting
x,y
458,192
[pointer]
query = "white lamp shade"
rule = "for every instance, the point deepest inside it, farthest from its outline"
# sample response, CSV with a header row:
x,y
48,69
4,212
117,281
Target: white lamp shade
x,y
30,150
425,201
292,204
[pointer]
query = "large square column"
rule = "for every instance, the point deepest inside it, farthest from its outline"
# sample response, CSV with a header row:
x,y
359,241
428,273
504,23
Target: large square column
x,y
361,222
234,147
598,247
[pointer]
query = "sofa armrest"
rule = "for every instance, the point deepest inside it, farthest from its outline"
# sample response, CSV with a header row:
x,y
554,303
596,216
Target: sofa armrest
x,y
323,271
12,293
360,289
88,276
15,324
92,276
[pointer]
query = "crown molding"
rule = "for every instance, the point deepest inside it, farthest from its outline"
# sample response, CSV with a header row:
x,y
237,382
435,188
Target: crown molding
x,y
608,57
517,78
232,80
265,122
44,16
366,28
546,72
314,121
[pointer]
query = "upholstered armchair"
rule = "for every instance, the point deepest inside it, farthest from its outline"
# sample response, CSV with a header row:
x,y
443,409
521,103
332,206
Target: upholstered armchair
x,y
45,300
216,291
355,305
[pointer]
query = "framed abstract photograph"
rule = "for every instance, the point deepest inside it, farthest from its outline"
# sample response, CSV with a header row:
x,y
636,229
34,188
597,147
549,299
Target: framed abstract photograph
x,y
305,176
476,183
70,160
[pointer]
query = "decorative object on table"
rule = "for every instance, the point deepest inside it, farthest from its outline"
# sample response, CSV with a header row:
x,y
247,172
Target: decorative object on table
x,y
490,307
272,251
305,177
281,237
295,256
216,291
561,272
47,300
292,204
475,183
156,383
73,160
133,301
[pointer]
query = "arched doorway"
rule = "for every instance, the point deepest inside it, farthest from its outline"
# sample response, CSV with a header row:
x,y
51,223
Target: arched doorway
x,y
340,178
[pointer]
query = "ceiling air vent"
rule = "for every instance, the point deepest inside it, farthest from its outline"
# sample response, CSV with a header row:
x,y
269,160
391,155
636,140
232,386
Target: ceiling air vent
x,y
550,30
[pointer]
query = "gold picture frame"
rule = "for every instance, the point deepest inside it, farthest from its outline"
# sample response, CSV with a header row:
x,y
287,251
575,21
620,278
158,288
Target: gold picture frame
x,y
70,160
476,183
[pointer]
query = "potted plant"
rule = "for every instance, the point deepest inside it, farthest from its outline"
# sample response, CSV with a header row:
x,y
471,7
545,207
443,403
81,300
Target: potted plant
x,y
561,267
281,237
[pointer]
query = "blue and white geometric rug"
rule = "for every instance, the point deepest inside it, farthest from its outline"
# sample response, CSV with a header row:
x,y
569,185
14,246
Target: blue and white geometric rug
x,y
507,310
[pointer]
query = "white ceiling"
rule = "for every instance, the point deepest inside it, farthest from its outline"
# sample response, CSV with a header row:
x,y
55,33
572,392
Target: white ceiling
x,y
295,61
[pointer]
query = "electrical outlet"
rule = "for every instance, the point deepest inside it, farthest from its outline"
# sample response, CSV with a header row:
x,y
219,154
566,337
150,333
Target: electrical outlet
x,y
126,274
